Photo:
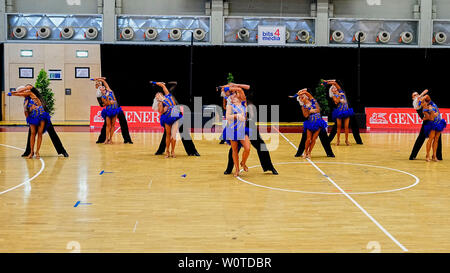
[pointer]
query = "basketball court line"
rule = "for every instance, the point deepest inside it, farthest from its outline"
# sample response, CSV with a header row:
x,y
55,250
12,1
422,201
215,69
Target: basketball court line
x,y
28,180
417,180
135,225
348,196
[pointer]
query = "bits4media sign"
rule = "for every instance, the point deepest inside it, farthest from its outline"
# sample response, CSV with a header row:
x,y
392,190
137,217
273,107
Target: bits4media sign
x,y
399,118
271,35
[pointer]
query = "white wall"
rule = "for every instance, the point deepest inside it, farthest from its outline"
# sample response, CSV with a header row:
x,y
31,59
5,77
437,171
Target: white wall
x,y
300,8
163,7
56,6
389,9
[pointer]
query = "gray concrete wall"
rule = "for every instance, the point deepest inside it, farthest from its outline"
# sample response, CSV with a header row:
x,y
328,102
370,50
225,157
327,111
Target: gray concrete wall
x,y
56,6
388,9
442,9
163,7
287,8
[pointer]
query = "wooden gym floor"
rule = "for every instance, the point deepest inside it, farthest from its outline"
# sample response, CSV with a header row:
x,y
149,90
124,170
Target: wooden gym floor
x,y
146,203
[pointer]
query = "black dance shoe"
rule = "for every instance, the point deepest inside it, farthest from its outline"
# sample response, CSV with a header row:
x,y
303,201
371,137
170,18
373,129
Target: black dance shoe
x,y
227,172
131,142
332,155
65,154
274,172
411,158
25,154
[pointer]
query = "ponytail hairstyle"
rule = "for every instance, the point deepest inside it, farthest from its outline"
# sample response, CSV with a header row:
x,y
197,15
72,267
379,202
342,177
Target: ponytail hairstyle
x,y
39,96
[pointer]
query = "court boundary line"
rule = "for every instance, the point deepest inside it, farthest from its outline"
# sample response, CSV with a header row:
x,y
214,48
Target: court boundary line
x,y
334,193
29,179
349,197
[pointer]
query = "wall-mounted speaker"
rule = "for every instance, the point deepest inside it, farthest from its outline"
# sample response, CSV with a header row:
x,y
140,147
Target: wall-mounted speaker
x,y
440,38
337,36
243,34
151,33
359,35
44,32
127,33
406,37
19,32
67,32
199,34
91,33
288,34
175,34
383,37
303,35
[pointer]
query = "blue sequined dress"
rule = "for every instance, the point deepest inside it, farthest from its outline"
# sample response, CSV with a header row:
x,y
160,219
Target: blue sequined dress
x,y
314,121
172,114
112,109
437,124
36,113
342,111
236,130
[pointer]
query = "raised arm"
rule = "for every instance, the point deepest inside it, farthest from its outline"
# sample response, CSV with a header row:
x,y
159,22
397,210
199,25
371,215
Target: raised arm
x,y
22,92
423,93
334,83
305,92
102,80
163,86
173,85
243,86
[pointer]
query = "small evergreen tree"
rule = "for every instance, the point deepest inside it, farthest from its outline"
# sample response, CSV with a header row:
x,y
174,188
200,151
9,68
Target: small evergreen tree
x,y
42,83
230,77
320,94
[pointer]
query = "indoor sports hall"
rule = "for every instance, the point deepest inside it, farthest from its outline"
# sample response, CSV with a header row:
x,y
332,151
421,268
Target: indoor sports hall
x,y
224,126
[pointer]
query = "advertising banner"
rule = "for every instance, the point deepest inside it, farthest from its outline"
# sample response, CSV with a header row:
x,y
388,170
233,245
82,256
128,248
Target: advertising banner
x,y
400,118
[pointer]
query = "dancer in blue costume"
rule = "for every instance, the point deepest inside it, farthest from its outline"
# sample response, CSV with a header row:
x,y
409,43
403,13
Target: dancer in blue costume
x,y
111,109
433,128
236,132
36,116
314,122
342,112
170,114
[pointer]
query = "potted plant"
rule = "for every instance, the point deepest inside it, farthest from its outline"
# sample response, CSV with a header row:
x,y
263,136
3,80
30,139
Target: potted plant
x,y
230,77
321,95
42,83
